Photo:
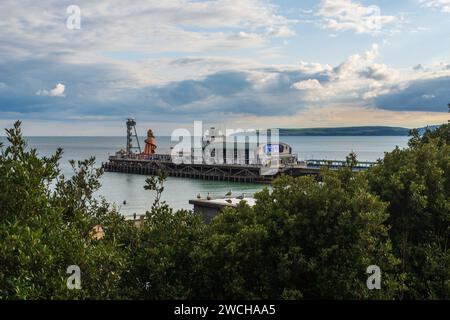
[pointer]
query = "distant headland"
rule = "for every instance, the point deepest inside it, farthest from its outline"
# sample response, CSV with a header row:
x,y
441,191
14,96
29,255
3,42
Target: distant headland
x,y
346,131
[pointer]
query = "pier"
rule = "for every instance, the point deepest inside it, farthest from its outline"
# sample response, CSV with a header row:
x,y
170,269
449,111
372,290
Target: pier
x,y
217,172
220,172
260,162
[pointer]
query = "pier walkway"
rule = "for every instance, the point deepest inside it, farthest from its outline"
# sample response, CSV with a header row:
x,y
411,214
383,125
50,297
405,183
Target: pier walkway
x,y
220,172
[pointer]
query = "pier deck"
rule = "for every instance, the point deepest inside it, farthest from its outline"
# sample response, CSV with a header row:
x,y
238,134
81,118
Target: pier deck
x,y
218,172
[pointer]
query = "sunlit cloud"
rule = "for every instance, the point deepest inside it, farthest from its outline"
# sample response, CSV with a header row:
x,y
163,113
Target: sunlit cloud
x,y
177,61
57,91
342,15
442,5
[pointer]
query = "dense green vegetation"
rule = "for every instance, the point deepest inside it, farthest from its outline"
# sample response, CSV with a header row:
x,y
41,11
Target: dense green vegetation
x,y
307,238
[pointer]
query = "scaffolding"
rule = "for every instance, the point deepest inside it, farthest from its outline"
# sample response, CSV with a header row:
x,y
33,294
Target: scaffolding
x,y
132,134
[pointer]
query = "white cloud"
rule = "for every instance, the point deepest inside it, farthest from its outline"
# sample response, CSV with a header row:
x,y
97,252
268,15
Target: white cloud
x,y
310,84
281,32
57,91
206,38
342,15
380,72
349,115
359,77
313,67
138,26
442,5
356,62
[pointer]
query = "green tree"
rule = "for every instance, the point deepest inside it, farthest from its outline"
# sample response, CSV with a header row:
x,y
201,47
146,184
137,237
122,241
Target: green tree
x,y
46,225
416,184
305,239
163,264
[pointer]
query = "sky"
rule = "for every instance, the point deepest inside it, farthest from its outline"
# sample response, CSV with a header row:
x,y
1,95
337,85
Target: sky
x,y
82,67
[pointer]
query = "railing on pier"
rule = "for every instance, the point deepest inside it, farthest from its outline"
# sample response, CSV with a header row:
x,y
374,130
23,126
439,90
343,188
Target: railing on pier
x,y
311,163
150,157
222,172
188,159
335,164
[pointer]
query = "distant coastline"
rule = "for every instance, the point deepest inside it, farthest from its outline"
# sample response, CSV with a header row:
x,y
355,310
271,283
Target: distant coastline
x,y
346,131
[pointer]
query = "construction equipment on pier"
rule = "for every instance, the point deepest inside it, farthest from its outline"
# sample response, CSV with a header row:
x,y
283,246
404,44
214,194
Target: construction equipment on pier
x,y
132,133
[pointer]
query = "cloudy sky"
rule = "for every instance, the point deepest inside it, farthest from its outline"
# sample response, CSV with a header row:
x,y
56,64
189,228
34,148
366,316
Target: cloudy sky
x,y
239,63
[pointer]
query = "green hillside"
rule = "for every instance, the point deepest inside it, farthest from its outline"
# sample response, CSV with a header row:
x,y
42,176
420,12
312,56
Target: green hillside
x,y
347,131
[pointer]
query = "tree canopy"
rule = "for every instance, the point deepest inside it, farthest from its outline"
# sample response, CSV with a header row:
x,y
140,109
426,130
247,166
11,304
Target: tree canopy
x,y
306,238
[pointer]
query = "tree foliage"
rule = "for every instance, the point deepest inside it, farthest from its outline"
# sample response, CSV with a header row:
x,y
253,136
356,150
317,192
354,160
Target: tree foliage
x,y
306,238
44,228
415,182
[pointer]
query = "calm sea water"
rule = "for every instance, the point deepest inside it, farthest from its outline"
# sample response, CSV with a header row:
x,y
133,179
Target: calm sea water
x,y
117,187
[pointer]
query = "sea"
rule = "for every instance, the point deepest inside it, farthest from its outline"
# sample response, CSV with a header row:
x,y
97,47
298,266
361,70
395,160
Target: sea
x,y
120,188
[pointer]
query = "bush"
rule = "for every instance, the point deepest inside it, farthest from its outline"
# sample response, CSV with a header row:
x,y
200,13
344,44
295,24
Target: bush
x,y
307,238
415,182
43,230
